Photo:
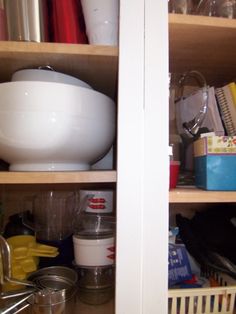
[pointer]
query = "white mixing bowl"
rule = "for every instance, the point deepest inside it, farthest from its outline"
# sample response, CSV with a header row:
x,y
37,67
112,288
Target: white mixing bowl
x,y
45,75
47,126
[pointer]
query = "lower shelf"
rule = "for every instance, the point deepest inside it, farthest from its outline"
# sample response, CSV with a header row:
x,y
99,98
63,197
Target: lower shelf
x,y
82,308
107,308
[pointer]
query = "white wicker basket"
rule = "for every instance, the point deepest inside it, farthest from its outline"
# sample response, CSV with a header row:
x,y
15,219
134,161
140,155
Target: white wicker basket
x,y
216,300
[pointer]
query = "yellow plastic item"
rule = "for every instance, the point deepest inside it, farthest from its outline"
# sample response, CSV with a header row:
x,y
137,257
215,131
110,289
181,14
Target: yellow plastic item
x,y
25,253
23,246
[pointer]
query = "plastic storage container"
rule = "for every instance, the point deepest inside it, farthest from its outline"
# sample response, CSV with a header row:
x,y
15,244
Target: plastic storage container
x,y
213,300
94,246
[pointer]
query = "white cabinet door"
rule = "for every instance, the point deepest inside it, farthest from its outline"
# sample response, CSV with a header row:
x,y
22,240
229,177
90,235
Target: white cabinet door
x,y
143,169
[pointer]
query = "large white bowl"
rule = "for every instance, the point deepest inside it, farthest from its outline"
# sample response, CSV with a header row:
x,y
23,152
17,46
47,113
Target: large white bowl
x,y
45,75
54,127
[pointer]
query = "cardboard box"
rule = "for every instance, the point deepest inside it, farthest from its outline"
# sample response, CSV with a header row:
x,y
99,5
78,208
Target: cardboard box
x,y
215,163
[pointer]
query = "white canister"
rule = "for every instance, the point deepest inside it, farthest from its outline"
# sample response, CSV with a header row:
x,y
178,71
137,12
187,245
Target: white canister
x,y
101,20
99,202
94,252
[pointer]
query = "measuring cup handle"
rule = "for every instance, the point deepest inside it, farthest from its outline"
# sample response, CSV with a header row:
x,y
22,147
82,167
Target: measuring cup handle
x,y
16,293
6,258
16,307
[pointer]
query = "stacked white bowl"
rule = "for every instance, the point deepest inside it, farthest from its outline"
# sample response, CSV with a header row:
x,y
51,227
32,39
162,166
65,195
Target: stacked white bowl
x,y
52,122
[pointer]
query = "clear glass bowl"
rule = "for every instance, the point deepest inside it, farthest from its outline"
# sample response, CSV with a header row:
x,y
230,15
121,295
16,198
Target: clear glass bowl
x,y
95,284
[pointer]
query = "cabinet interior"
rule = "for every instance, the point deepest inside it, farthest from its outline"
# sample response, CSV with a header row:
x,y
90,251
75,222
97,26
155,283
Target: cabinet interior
x,y
205,44
96,65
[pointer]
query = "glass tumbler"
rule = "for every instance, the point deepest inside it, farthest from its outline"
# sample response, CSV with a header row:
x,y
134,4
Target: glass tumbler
x,y
180,6
226,8
3,29
220,8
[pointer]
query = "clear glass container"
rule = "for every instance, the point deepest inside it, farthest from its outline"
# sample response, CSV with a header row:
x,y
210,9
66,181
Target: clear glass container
x,y
219,8
180,6
3,28
95,284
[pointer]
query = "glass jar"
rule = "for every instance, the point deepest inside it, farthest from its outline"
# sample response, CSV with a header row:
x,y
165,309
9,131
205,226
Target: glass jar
x,y
3,29
180,6
220,8
95,284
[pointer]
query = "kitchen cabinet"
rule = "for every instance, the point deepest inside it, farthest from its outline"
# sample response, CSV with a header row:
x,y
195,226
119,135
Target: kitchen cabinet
x,y
136,75
206,44
130,74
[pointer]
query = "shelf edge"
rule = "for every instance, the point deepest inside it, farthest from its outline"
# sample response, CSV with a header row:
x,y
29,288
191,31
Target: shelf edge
x,y
58,48
194,195
198,20
57,177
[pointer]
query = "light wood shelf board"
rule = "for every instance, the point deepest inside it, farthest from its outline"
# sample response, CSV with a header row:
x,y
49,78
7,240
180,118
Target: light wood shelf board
x,y
57,177
194,195
107,308
202,43
198,20
58,48
82,61
82,308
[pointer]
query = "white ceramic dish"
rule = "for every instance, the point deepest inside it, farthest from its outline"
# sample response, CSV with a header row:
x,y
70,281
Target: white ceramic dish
x,y
45,75
48,126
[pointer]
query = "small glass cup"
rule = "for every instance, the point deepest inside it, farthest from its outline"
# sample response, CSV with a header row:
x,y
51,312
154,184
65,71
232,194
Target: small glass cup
x,y
3,23
180,6
226,8
219,8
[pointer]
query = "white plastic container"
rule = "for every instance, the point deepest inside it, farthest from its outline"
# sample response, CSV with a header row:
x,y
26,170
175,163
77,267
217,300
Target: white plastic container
x,y
94,252
101,20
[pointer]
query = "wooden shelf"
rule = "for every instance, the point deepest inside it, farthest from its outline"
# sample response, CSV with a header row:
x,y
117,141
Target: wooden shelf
x,y
194,195
96,65
107,308
82,308
206,44
57,177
